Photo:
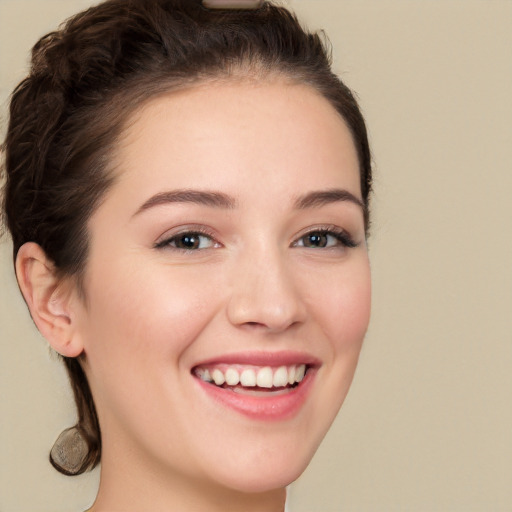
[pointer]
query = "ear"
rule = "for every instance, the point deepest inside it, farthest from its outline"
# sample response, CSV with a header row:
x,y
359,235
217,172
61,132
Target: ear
x,y
50,299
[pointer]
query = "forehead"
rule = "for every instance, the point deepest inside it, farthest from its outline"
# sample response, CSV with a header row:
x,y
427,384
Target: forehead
x,y
220,134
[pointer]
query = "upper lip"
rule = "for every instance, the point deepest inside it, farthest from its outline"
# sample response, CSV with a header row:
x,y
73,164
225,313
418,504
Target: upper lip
x,y
263,358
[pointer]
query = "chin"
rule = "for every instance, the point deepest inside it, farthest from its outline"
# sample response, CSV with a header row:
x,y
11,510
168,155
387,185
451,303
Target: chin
x,y
265,468
257,482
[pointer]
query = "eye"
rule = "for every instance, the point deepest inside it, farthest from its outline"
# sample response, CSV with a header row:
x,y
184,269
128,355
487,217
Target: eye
x,y
325,239
188,241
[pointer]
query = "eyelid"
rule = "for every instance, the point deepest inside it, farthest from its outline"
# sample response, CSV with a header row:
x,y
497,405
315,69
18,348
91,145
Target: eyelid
x,y
342,235
164,240
346,240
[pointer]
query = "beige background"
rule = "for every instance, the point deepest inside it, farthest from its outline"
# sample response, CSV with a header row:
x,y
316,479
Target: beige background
x,y
428,423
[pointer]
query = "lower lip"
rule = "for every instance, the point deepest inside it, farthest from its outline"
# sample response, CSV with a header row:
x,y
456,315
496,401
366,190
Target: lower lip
x,y
275,407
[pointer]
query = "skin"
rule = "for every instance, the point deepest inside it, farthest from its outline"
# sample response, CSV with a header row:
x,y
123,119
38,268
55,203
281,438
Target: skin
x,y
152,313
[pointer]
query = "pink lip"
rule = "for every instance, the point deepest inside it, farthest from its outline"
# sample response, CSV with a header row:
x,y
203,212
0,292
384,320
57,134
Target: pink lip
x,y
264,408
274,359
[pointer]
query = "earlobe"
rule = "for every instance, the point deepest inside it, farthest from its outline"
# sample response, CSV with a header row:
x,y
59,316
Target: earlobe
x,y
49,299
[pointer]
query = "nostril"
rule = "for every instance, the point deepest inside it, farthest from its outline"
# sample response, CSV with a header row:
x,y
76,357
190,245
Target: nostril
x,y
269,328
254,325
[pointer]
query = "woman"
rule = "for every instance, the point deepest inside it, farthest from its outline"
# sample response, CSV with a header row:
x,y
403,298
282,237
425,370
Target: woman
x,y
187,194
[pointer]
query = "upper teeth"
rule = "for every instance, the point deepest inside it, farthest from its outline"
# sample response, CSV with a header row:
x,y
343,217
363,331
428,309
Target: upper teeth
x,y
265,377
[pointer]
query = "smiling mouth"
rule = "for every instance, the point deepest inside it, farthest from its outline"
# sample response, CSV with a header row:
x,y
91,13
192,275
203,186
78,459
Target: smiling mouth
x,y
253,380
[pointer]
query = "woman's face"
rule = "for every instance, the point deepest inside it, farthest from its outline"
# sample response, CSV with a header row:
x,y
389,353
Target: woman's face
x,y
230,247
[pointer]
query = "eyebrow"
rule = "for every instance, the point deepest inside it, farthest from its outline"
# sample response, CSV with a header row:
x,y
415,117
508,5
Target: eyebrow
x,y
324,197
206,198
221,200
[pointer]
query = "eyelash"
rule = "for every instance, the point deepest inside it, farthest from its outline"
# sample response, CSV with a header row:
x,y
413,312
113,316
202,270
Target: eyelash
x,y
342,238
191,232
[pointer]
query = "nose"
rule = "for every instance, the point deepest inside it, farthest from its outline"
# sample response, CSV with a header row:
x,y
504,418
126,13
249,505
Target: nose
x,y
265,294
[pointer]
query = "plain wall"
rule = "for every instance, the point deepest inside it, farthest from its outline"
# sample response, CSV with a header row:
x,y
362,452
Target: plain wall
x,y
427,425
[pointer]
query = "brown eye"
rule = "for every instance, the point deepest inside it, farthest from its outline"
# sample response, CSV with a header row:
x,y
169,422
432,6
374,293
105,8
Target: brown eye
x,y
325,239
314,240
188,241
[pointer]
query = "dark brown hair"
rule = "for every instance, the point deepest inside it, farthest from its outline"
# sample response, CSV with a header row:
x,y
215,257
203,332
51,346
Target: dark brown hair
x,y
89,76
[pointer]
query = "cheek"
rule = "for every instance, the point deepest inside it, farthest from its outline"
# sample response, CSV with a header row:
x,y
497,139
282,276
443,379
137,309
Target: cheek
x,y
154,314
343,308
342,314
352,316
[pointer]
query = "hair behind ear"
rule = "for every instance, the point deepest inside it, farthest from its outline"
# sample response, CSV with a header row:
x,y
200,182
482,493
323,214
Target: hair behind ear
x,y
80,452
